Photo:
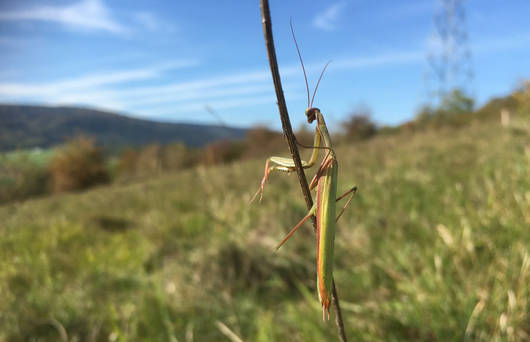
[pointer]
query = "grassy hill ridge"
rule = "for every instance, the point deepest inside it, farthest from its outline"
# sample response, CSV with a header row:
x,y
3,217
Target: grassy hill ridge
x,y
24,126
434,247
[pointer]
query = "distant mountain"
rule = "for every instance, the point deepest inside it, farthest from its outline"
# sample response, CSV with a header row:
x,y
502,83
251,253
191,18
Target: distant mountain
x,y
23,126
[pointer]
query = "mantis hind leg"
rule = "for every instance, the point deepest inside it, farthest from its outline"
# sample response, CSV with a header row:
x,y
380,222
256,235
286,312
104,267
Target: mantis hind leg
x,y
298,225
352,191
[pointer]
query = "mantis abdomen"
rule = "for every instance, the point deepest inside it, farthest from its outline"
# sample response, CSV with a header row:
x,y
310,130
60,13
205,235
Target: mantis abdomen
x,y
325,215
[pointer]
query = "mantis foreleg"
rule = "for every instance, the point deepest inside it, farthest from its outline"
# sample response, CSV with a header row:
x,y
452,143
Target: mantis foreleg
x,y
286,165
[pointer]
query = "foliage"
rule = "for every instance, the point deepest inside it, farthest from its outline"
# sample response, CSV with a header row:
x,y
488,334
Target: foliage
x,y
177,157
522,96
260,141
153,159
455,109
360,125
222,152
425,114
435,247
456,102
80,164
492,109
23,175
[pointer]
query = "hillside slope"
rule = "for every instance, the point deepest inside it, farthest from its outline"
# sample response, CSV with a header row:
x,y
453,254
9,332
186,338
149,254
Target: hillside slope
x,y
435,247
40,126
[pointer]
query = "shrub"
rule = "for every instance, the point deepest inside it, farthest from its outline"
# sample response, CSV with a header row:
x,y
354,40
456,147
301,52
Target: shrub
x,y
80,164
424,114
152,159
360,125
456,102
127,162
261,141
149,160
522,96
222,152
21,178
455,109
177,157
305,134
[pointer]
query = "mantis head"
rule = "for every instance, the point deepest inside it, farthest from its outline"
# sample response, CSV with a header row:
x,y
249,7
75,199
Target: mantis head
x,y
311,114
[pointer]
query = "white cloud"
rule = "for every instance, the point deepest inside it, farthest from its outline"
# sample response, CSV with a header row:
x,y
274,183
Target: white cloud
x,y
391,58
175,97
148,20
82,83
231,90
151,22
85,14
434,44
327,20
187,94
195,106
224,91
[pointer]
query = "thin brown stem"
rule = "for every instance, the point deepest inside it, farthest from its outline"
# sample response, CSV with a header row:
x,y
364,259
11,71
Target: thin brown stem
x,y
291,140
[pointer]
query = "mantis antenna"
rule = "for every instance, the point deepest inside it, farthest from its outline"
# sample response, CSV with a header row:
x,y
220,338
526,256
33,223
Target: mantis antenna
x,y
309,104
321,74
301,61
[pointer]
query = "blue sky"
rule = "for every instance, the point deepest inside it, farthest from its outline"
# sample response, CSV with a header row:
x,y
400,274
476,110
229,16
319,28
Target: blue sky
x,y
170,60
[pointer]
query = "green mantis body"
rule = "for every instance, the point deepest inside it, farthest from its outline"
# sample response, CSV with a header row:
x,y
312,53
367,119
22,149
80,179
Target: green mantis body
x,y
324,209
325,181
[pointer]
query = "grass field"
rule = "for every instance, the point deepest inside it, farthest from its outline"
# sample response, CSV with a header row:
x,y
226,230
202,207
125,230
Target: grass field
x,y
435,247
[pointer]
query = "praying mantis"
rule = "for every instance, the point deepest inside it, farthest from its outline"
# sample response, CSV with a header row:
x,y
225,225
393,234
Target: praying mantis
x,y
325,182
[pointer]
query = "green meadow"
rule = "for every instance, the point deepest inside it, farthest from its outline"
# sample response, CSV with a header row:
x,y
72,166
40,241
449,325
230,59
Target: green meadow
x,y
434,247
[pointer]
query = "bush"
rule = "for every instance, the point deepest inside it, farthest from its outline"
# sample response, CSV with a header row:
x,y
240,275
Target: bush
x,y
21,178
455,109
456,102
305,134
360,125
222,152
127,162
80,164
154,159
177,156
149,160
261,141
522,96
425,115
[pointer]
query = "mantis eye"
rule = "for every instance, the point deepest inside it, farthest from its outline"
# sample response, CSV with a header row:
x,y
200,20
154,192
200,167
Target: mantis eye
x,y
311,114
